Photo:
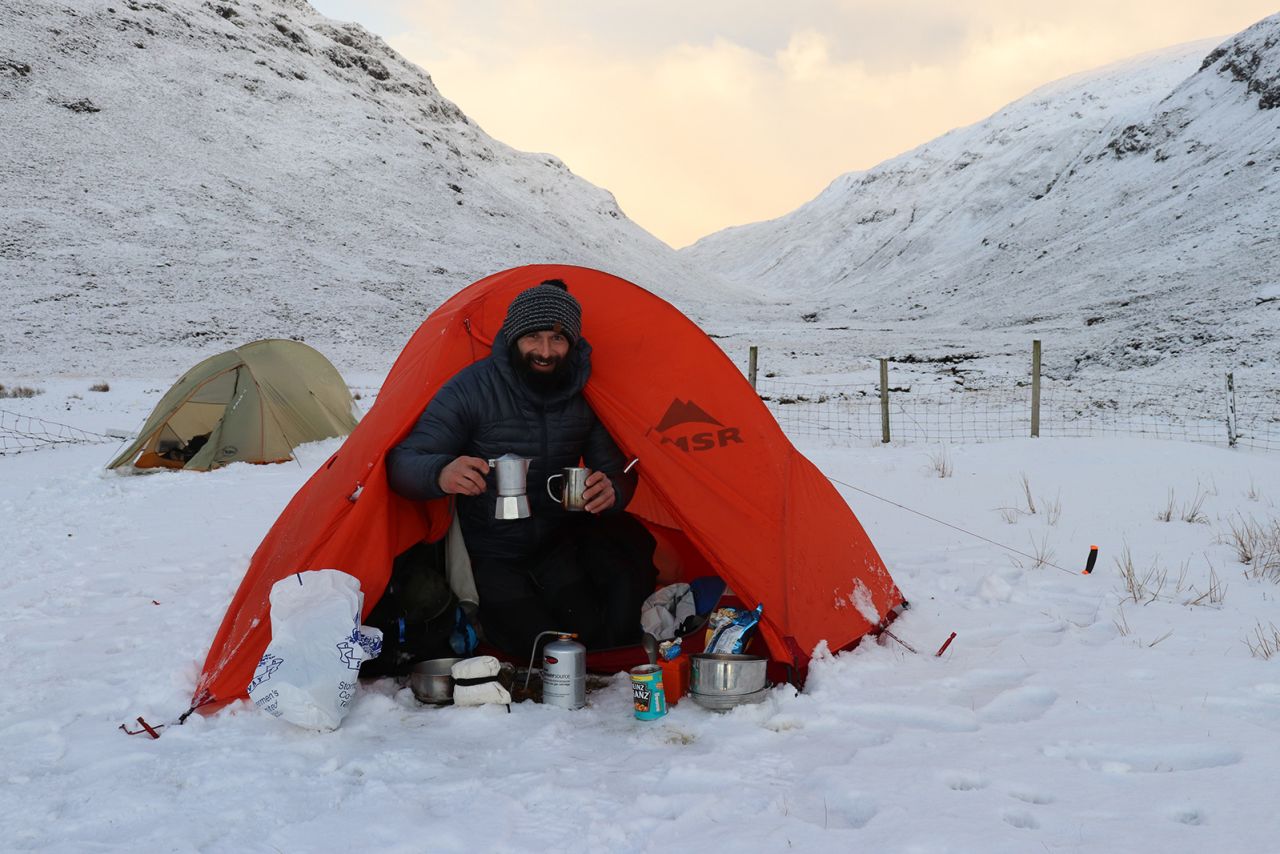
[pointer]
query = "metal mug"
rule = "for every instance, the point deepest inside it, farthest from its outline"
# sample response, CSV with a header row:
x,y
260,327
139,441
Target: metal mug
x,y
575,482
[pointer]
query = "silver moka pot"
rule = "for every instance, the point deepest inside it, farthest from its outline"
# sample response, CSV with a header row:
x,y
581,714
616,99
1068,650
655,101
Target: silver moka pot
x,y
512,472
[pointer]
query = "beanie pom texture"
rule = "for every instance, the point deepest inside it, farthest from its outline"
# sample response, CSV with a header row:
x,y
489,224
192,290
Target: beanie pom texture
x,y
545,306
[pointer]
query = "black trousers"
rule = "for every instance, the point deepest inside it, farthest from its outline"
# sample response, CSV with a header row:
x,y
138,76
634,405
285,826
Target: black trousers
x,y
592,580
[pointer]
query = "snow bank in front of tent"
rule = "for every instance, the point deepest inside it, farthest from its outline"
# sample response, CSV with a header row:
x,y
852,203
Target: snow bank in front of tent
x,y
1064,714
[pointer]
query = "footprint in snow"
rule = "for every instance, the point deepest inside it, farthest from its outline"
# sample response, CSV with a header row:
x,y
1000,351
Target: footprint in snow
x,y
1144,759
964,781
1194,816
1027,796
1019,705
1020,819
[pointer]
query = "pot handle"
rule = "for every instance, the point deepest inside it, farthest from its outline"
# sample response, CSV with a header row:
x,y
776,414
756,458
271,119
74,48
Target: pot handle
x,y
559,499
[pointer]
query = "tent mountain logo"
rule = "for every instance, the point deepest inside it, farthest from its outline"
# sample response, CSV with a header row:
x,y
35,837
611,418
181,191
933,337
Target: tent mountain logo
x,y
682,414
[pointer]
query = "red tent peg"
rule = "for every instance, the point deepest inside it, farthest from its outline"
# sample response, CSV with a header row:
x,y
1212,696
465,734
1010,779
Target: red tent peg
x,y
150,730
946,643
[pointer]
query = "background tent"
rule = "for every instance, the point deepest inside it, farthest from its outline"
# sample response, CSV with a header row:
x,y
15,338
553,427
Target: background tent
x,y
254,404
720,484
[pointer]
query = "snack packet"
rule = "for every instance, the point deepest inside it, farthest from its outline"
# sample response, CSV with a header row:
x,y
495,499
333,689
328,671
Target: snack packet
x,y
733,635
716,620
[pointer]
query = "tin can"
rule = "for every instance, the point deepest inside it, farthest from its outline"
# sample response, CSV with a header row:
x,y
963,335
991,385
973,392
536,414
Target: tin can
x,y
564,673
647,692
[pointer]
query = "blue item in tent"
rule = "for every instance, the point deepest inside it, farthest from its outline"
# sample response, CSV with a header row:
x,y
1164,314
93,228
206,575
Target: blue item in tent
x,y
707,591
463,640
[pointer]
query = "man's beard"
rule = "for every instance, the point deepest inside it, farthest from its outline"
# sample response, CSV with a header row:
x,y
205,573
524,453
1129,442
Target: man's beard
x,y
543,382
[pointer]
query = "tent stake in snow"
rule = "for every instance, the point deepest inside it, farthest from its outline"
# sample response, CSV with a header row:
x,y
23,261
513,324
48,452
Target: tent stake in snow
x,y
946,643
146,727
909,647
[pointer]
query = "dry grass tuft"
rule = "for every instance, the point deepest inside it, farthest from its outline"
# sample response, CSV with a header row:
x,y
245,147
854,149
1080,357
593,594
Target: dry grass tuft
x,y
1214,595
1192,512
102,386
940,463
1053,509
1265,642
1256,545
1166,513
1026,492
1141,586
1041,554
20,391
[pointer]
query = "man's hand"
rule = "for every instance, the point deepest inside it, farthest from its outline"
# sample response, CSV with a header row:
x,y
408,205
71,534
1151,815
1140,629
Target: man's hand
x,y
598,493
464,476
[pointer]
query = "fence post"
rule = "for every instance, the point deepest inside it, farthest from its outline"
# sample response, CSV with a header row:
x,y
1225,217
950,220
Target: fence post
x,y
884,401
1231,410
1035,388
751,365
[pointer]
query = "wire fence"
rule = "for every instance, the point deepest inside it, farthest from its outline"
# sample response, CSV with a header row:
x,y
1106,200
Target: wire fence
x,y
20,433
1242,417
1226,414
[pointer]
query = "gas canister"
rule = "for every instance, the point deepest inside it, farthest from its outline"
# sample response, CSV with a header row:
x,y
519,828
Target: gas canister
x,y
564,673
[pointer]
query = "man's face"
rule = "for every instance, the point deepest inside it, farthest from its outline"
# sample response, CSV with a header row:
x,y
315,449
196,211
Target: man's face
x,y
543,351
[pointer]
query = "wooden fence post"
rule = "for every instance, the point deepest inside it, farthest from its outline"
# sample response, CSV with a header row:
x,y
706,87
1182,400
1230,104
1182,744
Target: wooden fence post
x,y
1035,388
884,401
1231,410
751,365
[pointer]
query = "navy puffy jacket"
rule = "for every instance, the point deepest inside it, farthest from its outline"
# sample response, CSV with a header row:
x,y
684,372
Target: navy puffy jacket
x,y
486,411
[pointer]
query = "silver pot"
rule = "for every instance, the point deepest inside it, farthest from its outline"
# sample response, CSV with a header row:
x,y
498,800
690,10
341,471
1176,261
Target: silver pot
x,y
432,681
724,675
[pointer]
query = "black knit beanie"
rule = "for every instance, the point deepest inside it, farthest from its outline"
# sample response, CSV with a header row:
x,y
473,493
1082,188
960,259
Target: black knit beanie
x,y
546,306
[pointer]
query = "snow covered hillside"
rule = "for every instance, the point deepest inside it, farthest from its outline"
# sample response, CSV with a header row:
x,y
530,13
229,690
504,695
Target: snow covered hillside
x,y
1127,216
196,175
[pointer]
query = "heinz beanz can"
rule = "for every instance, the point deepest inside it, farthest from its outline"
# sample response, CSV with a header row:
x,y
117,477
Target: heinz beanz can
x,y
647,692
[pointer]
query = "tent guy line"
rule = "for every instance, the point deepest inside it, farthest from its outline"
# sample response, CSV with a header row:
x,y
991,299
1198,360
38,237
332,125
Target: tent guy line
x,y
1093,554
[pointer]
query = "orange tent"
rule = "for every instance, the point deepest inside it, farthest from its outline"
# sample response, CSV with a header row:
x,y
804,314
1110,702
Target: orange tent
x,y
720,485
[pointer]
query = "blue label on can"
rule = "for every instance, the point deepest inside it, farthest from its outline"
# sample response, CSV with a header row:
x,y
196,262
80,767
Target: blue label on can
x,y
647,693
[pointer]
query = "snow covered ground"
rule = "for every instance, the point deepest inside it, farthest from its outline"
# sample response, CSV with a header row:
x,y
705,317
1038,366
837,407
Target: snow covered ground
x,y
1064,717
339,197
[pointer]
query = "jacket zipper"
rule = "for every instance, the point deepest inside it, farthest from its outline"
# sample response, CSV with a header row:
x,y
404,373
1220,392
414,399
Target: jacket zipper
x,y
545,447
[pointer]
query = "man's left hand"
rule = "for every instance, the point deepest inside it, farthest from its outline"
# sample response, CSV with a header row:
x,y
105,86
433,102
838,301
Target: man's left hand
x,y
598,493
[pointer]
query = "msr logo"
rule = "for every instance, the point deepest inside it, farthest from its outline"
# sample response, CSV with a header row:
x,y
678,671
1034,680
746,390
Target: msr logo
x,y
685,412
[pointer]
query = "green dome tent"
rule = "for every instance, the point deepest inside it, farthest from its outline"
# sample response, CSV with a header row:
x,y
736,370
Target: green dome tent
x,y
254,404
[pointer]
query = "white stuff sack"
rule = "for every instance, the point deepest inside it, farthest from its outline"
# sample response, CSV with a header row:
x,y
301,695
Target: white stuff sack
x,y
308,674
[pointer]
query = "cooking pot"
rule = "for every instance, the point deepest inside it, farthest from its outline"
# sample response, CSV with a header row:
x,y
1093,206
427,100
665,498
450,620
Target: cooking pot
x,y
724,675
432,681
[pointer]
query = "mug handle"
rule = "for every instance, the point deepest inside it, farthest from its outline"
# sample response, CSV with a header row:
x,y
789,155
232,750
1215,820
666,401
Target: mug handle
x,y
559,499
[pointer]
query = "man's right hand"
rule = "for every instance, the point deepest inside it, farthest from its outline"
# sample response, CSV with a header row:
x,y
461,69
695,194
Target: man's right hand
x,y
464,476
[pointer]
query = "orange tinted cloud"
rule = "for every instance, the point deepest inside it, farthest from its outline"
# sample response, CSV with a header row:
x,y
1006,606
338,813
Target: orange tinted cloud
x,y
701,115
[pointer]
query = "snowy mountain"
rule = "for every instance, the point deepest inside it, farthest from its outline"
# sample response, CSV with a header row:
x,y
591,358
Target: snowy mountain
x,y
184,176
1128,215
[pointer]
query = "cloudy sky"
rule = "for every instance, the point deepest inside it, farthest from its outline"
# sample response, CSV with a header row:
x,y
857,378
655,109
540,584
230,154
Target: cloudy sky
x,y
701,114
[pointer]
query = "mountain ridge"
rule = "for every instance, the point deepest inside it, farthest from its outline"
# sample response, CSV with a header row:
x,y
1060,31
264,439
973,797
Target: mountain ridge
x,y
189,176
1062,216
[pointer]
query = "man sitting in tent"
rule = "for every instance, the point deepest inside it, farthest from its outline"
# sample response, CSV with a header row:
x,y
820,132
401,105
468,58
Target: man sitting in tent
x,y
555,570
